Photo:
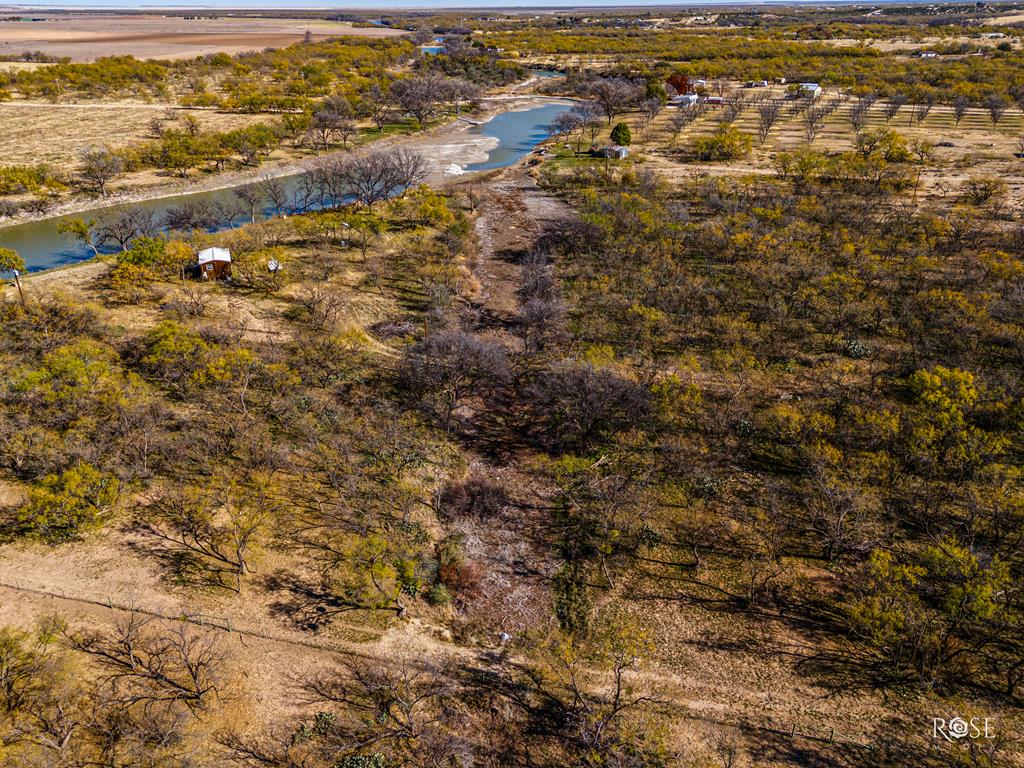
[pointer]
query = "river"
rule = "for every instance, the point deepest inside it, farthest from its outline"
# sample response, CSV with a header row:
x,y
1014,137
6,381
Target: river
x,y
509,136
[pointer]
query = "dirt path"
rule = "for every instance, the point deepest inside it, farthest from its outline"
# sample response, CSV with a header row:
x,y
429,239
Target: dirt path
x,y
514,545
512,214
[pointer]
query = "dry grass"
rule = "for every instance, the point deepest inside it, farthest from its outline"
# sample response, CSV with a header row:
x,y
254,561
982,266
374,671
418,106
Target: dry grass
x,y
21,66
46,133
889,45
86,37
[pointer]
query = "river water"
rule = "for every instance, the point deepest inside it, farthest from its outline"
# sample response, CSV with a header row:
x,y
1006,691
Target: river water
x,y
43,247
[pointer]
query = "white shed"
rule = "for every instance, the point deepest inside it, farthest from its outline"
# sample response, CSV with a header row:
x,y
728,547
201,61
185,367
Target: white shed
x,y
810,90
213,263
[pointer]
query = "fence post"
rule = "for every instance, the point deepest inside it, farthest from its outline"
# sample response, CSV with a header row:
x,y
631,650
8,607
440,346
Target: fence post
x,y
831,735
792,731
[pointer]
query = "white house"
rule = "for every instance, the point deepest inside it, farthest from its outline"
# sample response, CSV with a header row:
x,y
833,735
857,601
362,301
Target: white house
x,y
810,90
213,263
615,152
684,100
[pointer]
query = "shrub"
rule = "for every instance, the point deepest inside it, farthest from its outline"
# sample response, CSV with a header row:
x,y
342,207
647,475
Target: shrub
x,y
439,595
575,407
476,497
726,143
61,506
573,602
980,190
459,575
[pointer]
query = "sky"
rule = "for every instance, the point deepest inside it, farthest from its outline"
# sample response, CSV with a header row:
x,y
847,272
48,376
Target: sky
x,y
370,4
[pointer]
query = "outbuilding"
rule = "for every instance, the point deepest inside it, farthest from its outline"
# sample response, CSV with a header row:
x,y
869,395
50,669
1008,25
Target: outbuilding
x,y
615,152
684,100
213,263
810,90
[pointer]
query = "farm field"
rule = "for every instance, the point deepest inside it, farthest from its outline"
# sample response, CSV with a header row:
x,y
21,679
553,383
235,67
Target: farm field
x,y
87,37
47,133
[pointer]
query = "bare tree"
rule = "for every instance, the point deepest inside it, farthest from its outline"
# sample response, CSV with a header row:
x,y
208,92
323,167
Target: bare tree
x,y
923,108
378,107
733,107
577,122
323,308
859,112
613,95
200,214
684,116
150,662
275,193
420,96
400,710
649,111
460,91
411,691
996,106
564,125
893,105
333,120
767,116
367,178
542,312
814,121
98,167
448,367
960,106
120,226
253,195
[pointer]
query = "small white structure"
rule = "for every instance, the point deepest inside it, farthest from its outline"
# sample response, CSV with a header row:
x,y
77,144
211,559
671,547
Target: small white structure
x,y
684,100
616,152
926,55
213,263
810,90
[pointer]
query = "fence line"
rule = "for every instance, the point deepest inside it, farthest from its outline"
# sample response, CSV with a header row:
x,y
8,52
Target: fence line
x,y
221,623
831,738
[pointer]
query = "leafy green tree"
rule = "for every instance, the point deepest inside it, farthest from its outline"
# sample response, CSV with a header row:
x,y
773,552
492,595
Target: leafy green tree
x,y
79,230
10,261
941,435
620,134
62,505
